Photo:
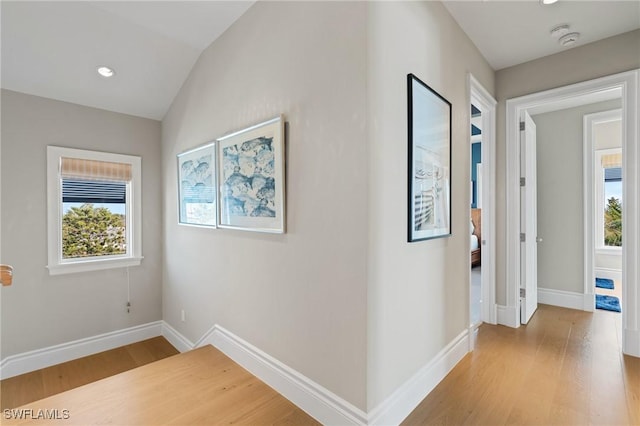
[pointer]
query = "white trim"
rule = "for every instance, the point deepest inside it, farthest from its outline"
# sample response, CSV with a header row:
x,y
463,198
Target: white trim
x,y
628,84
632,337
56,264
395,408
589,302
612,274
319,402
107,262
480,97
41,358
609,251
174,337
564,299
508,315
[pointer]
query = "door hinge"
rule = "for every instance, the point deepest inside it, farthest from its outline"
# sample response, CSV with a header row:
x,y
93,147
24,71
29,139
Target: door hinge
x,y
522,238
521,125
523,292
522,181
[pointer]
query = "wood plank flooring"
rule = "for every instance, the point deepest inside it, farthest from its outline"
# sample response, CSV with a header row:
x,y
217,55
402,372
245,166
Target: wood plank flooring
x,y
200,387
564,368
29,387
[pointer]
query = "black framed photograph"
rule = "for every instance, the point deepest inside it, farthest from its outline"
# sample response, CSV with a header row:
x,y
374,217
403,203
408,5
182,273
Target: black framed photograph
x,y
251,173
429,168
197,186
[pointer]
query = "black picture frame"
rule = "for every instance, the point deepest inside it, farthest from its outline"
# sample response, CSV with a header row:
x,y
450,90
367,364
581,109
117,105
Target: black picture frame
x,y
429,165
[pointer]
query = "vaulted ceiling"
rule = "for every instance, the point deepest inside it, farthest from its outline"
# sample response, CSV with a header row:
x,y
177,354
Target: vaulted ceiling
x,y
52,48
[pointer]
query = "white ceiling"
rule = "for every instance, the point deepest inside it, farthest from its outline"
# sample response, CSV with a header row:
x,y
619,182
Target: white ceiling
x,y
512,32
52,49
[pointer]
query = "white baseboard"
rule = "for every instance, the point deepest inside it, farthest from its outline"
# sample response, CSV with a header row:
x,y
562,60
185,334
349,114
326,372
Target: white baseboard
x,y
564,299
612,274
46,357
178,341
508,316
631,342
589,302
395,408
320,403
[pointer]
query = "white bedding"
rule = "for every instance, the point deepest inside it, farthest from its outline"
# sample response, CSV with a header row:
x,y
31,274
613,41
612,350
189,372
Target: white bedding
x,y
474,242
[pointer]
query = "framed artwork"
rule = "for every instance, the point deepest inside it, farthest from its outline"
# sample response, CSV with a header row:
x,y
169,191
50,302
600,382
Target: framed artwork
x,y
252,178
197,186
429,168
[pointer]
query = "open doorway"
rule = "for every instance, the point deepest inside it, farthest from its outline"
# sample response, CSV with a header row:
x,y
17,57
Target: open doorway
x,y
475,293
482,154
625,87
604,198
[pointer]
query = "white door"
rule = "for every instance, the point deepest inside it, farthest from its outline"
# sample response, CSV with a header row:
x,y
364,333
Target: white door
x,y
528,220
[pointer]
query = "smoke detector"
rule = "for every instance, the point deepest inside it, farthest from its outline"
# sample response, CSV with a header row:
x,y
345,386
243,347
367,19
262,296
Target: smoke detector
x,y
559,31
569,39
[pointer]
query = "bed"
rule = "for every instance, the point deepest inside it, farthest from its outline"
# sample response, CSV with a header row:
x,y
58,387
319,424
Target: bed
x,y
476,237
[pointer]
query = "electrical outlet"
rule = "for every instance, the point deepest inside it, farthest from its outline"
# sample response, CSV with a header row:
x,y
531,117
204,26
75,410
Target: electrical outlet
x,y
128,307
182,316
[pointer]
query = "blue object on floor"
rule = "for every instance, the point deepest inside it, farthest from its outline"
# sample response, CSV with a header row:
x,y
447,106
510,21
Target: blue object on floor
x,y
607,303
604,283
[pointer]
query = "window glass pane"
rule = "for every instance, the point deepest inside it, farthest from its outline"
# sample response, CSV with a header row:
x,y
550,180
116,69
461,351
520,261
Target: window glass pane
x,y
612,212
90,229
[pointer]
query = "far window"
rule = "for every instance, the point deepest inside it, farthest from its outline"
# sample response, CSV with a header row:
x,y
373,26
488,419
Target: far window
x,y
94,210
613,207
608,176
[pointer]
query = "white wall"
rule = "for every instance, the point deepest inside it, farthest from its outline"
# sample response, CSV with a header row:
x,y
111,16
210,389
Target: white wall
x,y
39,310
418,292
301,297
560,195
615,55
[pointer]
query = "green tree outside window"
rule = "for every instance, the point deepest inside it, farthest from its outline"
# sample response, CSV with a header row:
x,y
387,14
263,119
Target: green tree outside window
x,y
89,231
613,223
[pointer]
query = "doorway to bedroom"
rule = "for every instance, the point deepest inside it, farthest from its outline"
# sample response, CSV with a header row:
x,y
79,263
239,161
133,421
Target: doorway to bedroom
x,y
482,199
475,294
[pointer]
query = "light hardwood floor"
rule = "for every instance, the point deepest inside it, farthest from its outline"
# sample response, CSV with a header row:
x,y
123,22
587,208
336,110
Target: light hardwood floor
x,y
29,387
199,387
564,368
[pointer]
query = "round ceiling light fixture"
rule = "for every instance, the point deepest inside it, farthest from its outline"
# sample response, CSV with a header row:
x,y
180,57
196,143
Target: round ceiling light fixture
x,y
545,2
569,39
106,71
559,31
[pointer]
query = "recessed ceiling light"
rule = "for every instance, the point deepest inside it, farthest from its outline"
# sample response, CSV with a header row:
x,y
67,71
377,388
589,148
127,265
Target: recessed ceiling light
x,y
548,1
559,31
106,71
569,39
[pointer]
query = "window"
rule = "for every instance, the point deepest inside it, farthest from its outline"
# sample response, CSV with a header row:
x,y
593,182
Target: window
x,y
608,198
94,210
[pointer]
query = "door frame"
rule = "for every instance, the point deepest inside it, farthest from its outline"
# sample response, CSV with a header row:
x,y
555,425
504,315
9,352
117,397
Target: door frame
x,y
480,97
628,83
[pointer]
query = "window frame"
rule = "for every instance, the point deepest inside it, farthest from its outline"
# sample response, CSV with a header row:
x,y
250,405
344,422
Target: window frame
x,y
133,207
600,203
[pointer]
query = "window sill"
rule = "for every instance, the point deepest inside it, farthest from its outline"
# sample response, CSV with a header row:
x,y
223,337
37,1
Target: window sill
x,y
609,251
93,265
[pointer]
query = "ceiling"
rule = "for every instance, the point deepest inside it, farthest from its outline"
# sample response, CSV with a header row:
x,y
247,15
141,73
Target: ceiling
x,y
512,32
52,48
